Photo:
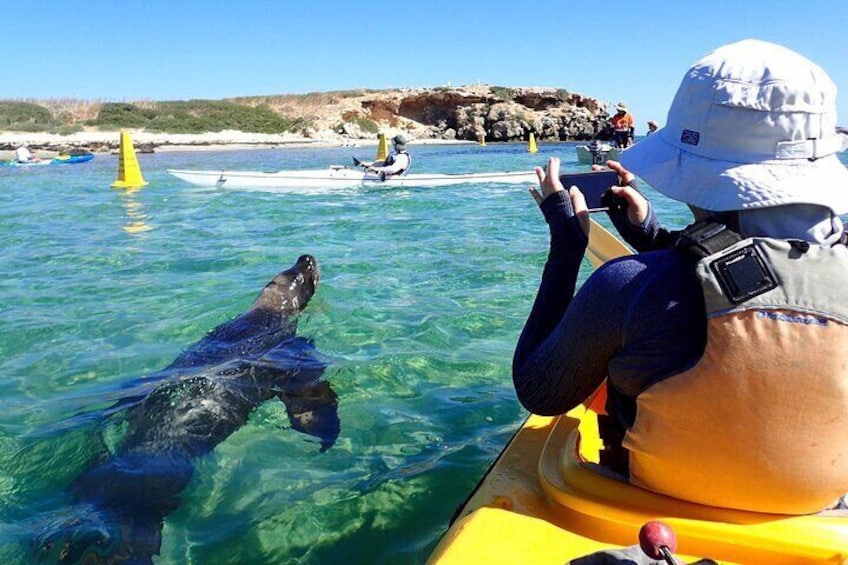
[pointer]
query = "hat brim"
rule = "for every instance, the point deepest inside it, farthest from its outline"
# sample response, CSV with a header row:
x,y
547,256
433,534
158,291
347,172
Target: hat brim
x,y
725,185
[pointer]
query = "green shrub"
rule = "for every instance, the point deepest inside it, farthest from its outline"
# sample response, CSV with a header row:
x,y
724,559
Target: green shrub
x,y
504,93
194,116
25,116
364,124
117,115
68,129
367,125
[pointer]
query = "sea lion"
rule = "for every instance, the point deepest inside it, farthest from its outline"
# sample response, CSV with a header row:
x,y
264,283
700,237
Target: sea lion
x,y
187,409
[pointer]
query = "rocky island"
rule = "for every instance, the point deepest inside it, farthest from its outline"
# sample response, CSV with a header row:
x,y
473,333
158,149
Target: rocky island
x,y
441,114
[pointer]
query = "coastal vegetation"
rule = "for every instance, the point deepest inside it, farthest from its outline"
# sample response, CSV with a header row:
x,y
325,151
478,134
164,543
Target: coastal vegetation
x,y
504,93
250,114
194,116
472,113
31,117
191,116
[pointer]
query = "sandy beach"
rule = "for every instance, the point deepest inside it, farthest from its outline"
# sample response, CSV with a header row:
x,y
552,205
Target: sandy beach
x,y
48,145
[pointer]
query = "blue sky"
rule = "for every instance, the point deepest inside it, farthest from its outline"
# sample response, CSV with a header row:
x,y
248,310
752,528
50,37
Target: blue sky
x,y
634,51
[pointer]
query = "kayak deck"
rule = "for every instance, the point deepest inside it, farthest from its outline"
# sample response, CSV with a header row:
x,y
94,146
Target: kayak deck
x,y
546,501
338,178
59,160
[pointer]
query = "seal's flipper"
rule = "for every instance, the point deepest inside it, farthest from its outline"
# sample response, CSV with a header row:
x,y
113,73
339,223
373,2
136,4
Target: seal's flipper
x,y
100,537
314,411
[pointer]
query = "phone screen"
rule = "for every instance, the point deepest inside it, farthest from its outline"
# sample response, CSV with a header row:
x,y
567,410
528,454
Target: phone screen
x,y
592,185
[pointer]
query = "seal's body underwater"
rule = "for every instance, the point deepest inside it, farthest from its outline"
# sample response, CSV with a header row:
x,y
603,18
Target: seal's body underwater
x,y
205,395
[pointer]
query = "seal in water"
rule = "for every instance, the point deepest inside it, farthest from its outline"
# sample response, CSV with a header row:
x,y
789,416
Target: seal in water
x,y
184,411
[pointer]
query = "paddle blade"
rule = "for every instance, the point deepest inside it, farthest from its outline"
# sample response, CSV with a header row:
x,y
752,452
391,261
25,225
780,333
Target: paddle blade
x,y
603,245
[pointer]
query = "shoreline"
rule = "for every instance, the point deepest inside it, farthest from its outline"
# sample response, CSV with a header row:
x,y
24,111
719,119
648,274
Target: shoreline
x,y
48,145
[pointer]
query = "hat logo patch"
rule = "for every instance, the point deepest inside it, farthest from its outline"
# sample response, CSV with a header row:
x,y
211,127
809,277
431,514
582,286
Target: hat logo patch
x,y
690,137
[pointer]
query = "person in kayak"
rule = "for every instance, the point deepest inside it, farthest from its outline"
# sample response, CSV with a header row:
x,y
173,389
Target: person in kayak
x,y
24,155
396,163
724,345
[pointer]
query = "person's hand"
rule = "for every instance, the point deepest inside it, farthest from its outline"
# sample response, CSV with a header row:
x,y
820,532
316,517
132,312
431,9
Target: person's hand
x,y
549,183
637,204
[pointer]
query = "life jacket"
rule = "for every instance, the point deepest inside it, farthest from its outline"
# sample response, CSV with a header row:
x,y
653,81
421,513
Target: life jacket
x,y
622,123
760,422
392,157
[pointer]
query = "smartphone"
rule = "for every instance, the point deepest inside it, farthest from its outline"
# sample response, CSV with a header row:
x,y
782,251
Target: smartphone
x,y
593,185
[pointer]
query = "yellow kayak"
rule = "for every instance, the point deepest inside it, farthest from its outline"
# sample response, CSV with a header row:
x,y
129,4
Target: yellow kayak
x,y
547,500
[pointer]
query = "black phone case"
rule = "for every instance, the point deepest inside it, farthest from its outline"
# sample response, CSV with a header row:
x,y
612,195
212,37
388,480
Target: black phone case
x,y
593,185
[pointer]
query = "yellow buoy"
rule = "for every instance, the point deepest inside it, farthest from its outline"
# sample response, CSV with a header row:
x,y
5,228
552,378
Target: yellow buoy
x,y
532,145
482,138
382,147
129,173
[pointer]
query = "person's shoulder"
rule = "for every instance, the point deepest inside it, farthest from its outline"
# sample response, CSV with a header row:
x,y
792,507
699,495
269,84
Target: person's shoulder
x,y
635,275
642,265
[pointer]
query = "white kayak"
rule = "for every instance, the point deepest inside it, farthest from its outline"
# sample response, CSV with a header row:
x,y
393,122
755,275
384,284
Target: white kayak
x,y
338,177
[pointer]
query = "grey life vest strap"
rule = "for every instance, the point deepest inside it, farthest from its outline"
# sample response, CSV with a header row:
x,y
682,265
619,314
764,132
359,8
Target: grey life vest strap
x,y
703,239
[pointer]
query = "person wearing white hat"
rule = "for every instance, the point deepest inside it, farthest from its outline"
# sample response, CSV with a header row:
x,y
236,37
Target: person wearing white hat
x,y
724,345
24,155
652,127
622,126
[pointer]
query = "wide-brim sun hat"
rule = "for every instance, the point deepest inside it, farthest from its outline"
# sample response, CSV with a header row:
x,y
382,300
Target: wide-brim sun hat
x,y
400,141
621,107
752,125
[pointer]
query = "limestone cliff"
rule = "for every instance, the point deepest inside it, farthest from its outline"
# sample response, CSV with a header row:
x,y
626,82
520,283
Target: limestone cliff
x,y
469,113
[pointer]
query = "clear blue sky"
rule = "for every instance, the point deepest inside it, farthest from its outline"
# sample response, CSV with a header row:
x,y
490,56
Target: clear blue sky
x,y
635,51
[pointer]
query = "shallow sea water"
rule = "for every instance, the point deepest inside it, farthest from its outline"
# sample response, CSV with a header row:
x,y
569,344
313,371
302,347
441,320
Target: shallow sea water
x,y
423,294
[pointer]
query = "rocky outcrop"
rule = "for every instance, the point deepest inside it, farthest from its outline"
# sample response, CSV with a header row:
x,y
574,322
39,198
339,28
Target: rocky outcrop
x,y
490,113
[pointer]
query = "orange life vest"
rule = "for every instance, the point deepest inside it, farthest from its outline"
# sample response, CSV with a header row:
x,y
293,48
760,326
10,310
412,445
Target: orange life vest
x,y
622,122
761,421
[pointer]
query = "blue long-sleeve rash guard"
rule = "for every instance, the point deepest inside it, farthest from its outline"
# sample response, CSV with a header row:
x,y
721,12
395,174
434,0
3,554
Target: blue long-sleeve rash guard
x,y
637,319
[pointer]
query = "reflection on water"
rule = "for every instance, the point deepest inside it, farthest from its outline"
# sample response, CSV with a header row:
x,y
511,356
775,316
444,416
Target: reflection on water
x,y
424,293
136,216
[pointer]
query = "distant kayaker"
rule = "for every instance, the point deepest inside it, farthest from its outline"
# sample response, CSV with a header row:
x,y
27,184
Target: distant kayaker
x,y
622,126
725,344
24,155
652,127
396,163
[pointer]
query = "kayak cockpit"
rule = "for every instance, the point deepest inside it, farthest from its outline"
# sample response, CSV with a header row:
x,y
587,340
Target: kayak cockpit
x,y
595,502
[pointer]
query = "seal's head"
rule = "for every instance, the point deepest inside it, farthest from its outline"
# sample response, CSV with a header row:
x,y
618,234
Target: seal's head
x,y
290,290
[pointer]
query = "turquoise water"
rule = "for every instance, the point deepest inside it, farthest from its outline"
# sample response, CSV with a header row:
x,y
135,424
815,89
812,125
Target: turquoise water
x,y
422,297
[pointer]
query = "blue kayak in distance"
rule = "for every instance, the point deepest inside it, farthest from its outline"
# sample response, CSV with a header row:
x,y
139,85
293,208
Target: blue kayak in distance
x,y
59,160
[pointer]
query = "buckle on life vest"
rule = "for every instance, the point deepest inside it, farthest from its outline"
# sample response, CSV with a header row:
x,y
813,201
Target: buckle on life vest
x,y
743,274
705,238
